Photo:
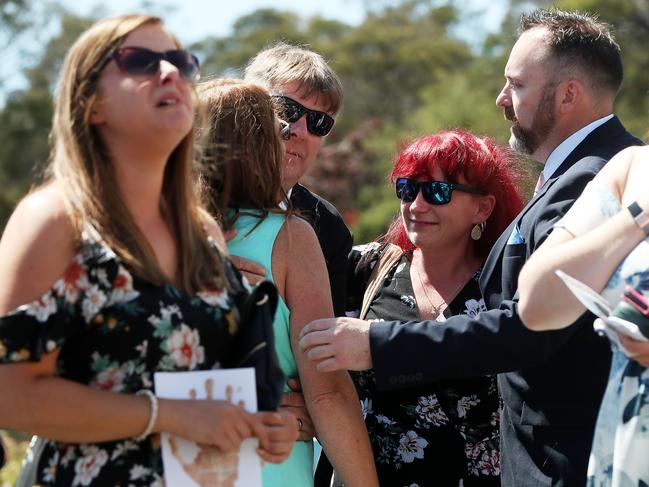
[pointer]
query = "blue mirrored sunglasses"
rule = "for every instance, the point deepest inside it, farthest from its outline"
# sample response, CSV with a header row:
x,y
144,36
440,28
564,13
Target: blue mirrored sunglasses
x,y
434,192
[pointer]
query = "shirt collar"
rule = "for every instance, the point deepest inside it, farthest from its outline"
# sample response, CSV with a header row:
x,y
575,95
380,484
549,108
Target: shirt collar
x,y
282,204
564,149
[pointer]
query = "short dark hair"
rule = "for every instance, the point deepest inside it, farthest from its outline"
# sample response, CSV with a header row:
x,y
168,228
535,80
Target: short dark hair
x,y
580,40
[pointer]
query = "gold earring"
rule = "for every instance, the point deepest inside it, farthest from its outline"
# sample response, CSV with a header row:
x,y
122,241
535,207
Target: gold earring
x,y
476,231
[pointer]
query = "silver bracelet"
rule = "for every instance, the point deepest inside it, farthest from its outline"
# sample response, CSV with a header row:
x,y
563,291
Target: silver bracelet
x,y
153,400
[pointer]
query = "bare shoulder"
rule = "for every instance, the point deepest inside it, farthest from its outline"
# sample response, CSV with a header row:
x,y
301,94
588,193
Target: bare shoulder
x,y
297,240
296,248
297,227
617,173
631,172
37,245
637,158
301,245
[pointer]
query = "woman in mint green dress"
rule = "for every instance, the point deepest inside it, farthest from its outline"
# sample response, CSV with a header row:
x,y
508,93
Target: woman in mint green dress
x,y
242,163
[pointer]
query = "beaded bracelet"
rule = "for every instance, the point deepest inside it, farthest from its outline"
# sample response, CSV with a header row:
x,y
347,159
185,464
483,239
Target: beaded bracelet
x,y
153,400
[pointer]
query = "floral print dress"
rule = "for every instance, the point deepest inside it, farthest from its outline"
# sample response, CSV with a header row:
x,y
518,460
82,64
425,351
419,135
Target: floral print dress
x,y
620,451
113,330
442,434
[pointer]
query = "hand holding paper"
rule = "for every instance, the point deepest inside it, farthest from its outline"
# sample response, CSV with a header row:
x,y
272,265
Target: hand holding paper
x,y
607,323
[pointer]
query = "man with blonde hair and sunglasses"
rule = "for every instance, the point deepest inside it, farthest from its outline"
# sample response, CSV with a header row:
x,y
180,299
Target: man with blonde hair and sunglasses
x,y
310,95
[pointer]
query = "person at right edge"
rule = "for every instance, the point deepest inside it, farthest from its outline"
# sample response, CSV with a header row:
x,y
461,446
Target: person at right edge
x,y
562,78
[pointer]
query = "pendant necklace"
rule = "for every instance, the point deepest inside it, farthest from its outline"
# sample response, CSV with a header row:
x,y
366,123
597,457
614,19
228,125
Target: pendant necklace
x,y
437,309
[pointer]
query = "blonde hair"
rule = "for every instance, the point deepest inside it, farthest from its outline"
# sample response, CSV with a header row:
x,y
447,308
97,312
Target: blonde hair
x,y
241,153
284,63
79,163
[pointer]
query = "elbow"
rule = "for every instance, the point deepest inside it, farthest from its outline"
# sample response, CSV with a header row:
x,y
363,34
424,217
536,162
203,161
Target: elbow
x,y
321,404
325,401
529,313
531,310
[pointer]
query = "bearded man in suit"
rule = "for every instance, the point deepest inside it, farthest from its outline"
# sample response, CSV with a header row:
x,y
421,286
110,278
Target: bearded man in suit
x,y
562,78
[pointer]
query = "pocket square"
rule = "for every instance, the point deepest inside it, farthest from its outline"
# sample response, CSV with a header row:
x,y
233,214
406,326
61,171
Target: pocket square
x,y
515,237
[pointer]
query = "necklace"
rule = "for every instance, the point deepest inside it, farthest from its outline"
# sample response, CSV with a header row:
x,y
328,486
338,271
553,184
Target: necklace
x,y
436,310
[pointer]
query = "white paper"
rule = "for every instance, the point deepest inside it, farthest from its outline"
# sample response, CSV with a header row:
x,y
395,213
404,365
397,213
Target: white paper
x,y
597,304
187,463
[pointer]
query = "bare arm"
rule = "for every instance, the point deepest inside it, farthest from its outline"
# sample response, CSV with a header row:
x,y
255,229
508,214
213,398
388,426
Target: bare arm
x,y
592,257
330,397
36,247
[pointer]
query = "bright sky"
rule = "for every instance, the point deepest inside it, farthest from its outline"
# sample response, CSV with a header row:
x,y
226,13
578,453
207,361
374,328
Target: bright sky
x,y
193,20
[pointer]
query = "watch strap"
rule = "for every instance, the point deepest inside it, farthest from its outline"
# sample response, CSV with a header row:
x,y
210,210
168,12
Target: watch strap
x,y
640,216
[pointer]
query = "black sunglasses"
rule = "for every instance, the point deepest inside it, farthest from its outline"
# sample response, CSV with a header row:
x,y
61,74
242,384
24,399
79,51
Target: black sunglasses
x,y
139,61
318,123
435,192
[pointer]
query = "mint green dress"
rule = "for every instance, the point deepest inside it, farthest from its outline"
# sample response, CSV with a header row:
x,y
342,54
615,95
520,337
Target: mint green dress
x,y
257,245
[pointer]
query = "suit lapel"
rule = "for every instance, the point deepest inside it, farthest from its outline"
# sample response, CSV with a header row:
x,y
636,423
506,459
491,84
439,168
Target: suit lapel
x,y
600,136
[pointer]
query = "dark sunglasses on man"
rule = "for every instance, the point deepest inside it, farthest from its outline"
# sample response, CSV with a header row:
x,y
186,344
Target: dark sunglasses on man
x,y
284,130
318,123
434,192
139,61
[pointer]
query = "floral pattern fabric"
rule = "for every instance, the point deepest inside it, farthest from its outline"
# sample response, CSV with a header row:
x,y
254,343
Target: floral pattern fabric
x,y
619,455
113,330
445,433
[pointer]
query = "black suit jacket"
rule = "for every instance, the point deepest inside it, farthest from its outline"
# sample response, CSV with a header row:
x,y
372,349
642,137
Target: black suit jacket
x,y
334,237
551,382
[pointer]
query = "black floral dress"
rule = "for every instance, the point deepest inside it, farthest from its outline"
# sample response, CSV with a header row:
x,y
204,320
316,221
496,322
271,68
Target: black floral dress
x,y
442,434
114,330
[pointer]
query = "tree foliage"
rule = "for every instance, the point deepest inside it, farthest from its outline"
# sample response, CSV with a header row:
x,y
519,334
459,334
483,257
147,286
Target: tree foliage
x,y
404,69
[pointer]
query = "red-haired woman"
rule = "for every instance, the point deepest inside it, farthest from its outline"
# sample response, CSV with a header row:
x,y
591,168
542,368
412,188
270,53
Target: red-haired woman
x,y
458,193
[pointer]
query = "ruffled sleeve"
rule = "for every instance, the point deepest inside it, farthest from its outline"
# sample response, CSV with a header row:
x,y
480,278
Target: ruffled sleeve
x,y
48,322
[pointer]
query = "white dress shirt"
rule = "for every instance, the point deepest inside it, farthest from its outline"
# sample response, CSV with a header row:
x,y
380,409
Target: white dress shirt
x,y
564,149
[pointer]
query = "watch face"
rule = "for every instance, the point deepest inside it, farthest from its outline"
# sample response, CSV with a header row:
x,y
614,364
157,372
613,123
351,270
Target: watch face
x,y
641,218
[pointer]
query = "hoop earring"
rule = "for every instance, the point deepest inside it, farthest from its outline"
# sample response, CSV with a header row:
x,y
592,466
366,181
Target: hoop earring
x,y
478,228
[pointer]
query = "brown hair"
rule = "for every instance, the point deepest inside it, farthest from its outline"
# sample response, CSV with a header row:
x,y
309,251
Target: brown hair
x,y
80,164
241,153
284,63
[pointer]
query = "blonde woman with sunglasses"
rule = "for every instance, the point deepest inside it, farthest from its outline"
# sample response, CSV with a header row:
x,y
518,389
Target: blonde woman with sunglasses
x,y
112,271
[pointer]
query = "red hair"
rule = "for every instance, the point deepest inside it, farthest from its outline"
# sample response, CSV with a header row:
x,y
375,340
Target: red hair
x,y
479,162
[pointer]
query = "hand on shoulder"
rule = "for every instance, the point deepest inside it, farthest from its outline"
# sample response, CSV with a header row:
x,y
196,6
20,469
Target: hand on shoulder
x,y
37,245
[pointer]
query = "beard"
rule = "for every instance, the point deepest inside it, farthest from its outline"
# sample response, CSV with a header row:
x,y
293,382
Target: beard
x,y
528,140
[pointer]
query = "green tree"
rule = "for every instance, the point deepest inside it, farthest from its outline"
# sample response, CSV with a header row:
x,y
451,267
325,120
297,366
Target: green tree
x,y
26,117
226,56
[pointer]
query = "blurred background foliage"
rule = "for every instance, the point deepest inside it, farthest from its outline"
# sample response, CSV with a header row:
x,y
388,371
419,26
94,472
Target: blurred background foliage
x,y
406,70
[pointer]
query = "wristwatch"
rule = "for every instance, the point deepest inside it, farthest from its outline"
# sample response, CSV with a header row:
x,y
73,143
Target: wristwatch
x,y
640,216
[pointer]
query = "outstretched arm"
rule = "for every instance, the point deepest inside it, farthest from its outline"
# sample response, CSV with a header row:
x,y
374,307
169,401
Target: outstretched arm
x,y
330,397
591,255
495,341
492,342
